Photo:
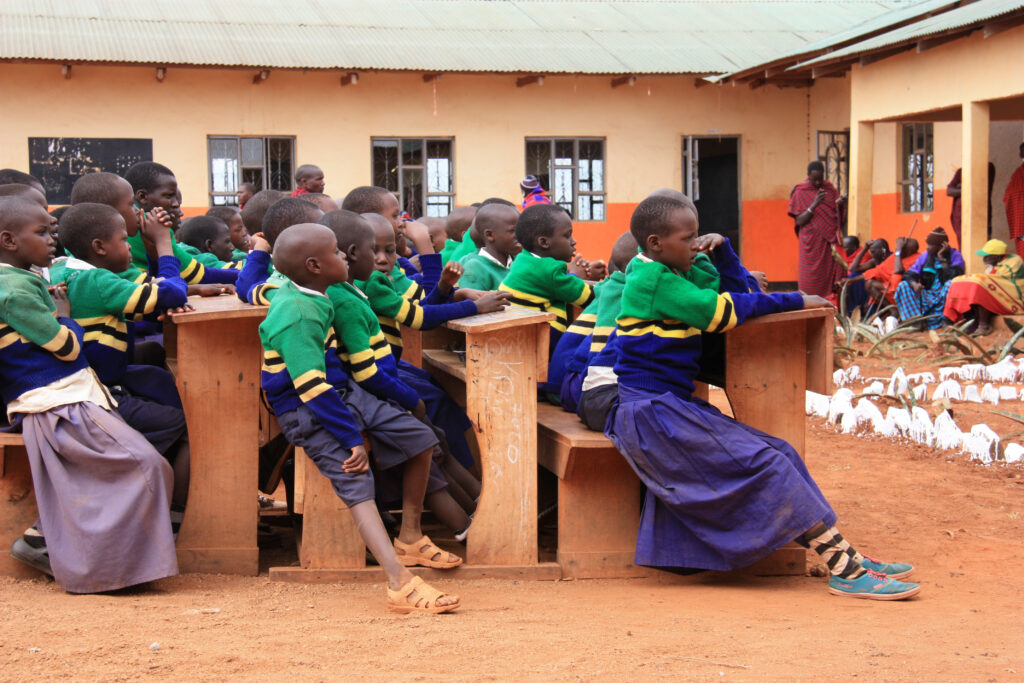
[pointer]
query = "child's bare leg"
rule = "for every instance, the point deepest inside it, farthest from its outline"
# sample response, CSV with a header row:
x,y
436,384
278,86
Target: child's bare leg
x,y
376,538
414,490
447,510
181,474
455,472
461,497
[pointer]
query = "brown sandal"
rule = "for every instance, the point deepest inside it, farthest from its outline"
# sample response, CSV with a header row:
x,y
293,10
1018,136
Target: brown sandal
x,y
419,596
422,552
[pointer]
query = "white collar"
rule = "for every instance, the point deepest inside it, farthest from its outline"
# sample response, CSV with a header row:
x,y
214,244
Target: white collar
x,y
78,264
488,255
645,259
533,255
307,290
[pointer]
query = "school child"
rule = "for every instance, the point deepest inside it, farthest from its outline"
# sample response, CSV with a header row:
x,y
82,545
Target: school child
x,y
369,199
232,217
308,178
460,242
303,381
245,193
367,357
486,268
257,279
396,303
104,304
256,208
155,186
437,230
208,240
539,278
926,284
101,489
720,495
319,200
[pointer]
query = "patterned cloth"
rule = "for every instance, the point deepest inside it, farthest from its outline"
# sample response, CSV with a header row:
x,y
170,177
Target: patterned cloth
x,y
926,302
817,270
1013,198
997,290
536,196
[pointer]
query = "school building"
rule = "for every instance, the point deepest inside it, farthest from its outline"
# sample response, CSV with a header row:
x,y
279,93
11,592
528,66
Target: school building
x,y
450,102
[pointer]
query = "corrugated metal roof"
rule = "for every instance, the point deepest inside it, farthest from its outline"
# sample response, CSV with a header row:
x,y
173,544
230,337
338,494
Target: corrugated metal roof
x,y
543,36
962,17
872,25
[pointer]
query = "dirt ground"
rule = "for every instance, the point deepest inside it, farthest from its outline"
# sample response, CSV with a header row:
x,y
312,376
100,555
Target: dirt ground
x,y
959,523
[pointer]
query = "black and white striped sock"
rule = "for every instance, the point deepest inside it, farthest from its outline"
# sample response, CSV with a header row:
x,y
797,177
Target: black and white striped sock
x,y
842,560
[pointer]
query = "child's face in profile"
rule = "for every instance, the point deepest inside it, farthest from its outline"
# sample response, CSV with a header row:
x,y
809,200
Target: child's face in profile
x,y
503,237
30,241
391,211
221,246
125,205
438,235
113,252
676,247
239,235
362,257
560,245
165,195
314,182
384,253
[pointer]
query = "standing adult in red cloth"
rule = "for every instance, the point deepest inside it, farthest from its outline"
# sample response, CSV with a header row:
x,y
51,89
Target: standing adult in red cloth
x,y
1014,201
817,208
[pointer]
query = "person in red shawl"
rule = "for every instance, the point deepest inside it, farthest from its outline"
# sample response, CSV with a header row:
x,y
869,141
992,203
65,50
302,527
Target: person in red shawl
x,y
1014,201
533,193
308,179
817,208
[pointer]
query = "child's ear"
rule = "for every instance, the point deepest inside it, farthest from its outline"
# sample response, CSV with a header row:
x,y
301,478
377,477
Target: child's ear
x,y
97,247
8,241
140,197
542,242
653,243
350,253
313,265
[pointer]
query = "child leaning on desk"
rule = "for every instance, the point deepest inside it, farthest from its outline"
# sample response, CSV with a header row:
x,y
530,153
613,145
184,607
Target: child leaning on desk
x,y
720,494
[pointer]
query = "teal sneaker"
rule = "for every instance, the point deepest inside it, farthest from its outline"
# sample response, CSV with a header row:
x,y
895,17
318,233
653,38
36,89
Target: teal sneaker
x,y
894,570
872,586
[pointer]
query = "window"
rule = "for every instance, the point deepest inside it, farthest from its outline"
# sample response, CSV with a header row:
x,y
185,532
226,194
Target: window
x,y
917,165
833,152
266,162
420,171
59,162
572,171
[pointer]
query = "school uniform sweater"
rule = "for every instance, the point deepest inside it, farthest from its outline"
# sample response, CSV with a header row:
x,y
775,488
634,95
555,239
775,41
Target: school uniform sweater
x,y
544,284
363,350
482,271
450,246
238,255
193,272
466,247
102,303
577,335
300,361
36,347
429,272
662,316
385,297
210,260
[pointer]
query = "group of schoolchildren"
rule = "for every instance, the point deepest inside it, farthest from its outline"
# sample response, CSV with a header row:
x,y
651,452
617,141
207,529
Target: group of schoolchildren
x,y
85,382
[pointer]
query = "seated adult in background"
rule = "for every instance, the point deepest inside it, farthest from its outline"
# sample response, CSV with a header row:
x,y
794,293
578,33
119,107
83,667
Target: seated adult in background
x,y
881,280
926,283
994,292
873,253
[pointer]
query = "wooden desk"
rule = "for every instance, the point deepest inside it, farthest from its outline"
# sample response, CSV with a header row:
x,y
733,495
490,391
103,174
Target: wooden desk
x,y
506,355
217,356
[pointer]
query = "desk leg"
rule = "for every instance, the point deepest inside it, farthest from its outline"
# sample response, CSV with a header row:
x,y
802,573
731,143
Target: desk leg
x,y
501,401
766,380
218,377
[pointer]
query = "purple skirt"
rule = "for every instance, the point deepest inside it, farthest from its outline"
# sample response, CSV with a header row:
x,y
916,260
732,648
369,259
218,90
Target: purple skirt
x,y
720,495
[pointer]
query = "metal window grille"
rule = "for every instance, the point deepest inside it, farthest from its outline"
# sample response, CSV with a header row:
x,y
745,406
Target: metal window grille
x,y
834,153
419,171
266,162
917,167
572,170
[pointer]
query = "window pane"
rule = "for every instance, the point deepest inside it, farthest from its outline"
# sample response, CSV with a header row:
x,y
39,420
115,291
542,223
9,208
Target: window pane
x,y
563,153
439,205
562,190
223,164
252,151
412,191
279,164
538,161
439,166
591,208
385,164
254,176
591,167
412,152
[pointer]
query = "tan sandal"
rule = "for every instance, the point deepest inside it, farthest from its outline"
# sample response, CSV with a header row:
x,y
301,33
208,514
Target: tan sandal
x,y
419,596
422,552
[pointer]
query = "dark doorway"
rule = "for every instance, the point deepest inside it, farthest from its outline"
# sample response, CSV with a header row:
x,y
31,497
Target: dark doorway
x,y
711,177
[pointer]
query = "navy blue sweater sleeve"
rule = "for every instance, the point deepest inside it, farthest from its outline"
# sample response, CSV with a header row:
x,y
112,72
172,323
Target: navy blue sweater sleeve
x,y
255,272
436,297
385,386
734,277
171,291
430,271
219,276
434,316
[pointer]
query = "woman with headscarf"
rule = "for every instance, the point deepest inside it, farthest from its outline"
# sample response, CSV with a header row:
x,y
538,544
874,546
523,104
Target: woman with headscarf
x,y
995,292
926,283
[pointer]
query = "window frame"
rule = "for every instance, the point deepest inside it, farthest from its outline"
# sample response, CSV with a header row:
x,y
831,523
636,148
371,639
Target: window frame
x,y
400,171
837,167
575,166
922,181
265,140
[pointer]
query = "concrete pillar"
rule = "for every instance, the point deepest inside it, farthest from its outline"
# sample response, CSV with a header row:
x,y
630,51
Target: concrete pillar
x,y
862,162
974,186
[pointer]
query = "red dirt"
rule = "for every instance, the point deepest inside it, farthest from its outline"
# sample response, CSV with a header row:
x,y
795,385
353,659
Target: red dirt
x,y
959,523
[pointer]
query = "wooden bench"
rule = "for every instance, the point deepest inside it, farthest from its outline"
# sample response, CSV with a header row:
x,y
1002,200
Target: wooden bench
x,y
18,501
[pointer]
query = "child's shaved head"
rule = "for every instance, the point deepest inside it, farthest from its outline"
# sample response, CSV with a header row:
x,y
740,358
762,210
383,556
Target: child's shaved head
x,y
674,194
197,230
651,216
225,213
306,171
377,222
24,191
101,188
286,213
623,252
14,211
366,199
146,175
320,201
9,176
296,244
459,220
85,222
348,227
536,221
256,208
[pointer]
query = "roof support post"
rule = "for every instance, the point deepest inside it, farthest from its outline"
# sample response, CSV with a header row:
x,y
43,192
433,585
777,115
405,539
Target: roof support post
x,y
862,162
974,183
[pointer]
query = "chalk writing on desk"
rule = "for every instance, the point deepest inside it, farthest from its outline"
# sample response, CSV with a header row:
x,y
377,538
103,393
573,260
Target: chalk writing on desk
x,y
59,162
